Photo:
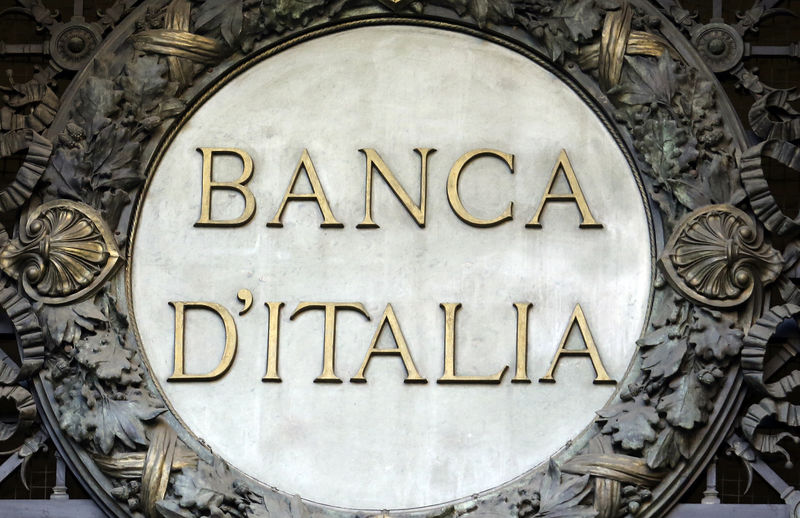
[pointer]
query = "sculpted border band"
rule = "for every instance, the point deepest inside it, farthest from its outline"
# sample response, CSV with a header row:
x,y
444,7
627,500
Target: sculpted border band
x,y
646,445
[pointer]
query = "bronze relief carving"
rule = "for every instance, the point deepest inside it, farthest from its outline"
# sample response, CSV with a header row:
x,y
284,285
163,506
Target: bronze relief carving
x,y
63,291
63,253
716,257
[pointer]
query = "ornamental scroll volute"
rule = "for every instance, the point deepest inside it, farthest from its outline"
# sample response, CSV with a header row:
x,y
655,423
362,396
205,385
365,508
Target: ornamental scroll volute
x,y
717,256
630,462
63,253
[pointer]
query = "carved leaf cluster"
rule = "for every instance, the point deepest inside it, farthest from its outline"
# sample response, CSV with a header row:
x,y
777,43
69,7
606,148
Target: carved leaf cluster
x,y
96,377
688,402
65,325
632,423
715,337
673,116
671,446
683,358
209,489
122,419
108,359
669,149
145,85
483,11
663,352
557,496
226,16
97,156
91,416
99,169
281,15
563,25
645,81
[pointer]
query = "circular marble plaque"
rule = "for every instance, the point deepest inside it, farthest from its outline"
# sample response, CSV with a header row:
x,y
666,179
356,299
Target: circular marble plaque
x,y
386,443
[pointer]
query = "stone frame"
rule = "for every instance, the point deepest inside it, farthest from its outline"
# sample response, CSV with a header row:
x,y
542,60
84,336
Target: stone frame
x,y
675,403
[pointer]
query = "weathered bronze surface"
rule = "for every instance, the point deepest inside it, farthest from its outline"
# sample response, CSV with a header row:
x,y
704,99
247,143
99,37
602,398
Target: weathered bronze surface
x,y
717,257
64,253
707,184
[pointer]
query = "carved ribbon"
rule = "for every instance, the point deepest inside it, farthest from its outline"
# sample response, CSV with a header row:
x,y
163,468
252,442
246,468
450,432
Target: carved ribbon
x,y
39,150
758,191
181,47
754,352
610,471
165,454
616,41
622,468
36,93
23,400
157,466
762,118
26,325
777,333
22,131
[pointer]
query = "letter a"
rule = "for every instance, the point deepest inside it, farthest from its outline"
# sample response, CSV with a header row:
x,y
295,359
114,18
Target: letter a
x,y
590,351
317,194
575,195
412,376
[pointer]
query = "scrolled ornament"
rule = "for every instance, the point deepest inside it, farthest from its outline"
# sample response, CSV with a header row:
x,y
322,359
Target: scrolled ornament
x,y
718,257
63,253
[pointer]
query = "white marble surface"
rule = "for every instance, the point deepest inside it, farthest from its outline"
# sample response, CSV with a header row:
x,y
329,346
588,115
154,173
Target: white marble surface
x,y
386,444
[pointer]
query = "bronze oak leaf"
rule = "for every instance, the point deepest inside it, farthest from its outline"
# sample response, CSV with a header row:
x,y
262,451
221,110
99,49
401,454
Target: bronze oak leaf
x,y
121,420
631,423
667,451
688,403
646,80
560,496
144,81
108,359
714,337
669,150
66,325
207,488
662,351
228,15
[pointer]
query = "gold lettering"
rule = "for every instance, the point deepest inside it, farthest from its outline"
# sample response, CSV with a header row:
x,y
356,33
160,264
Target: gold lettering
x,y
228,353
317,195
575,195
455,199
412,376
328,374
374,161
238,186
274,309
590,350
521,375
449,375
